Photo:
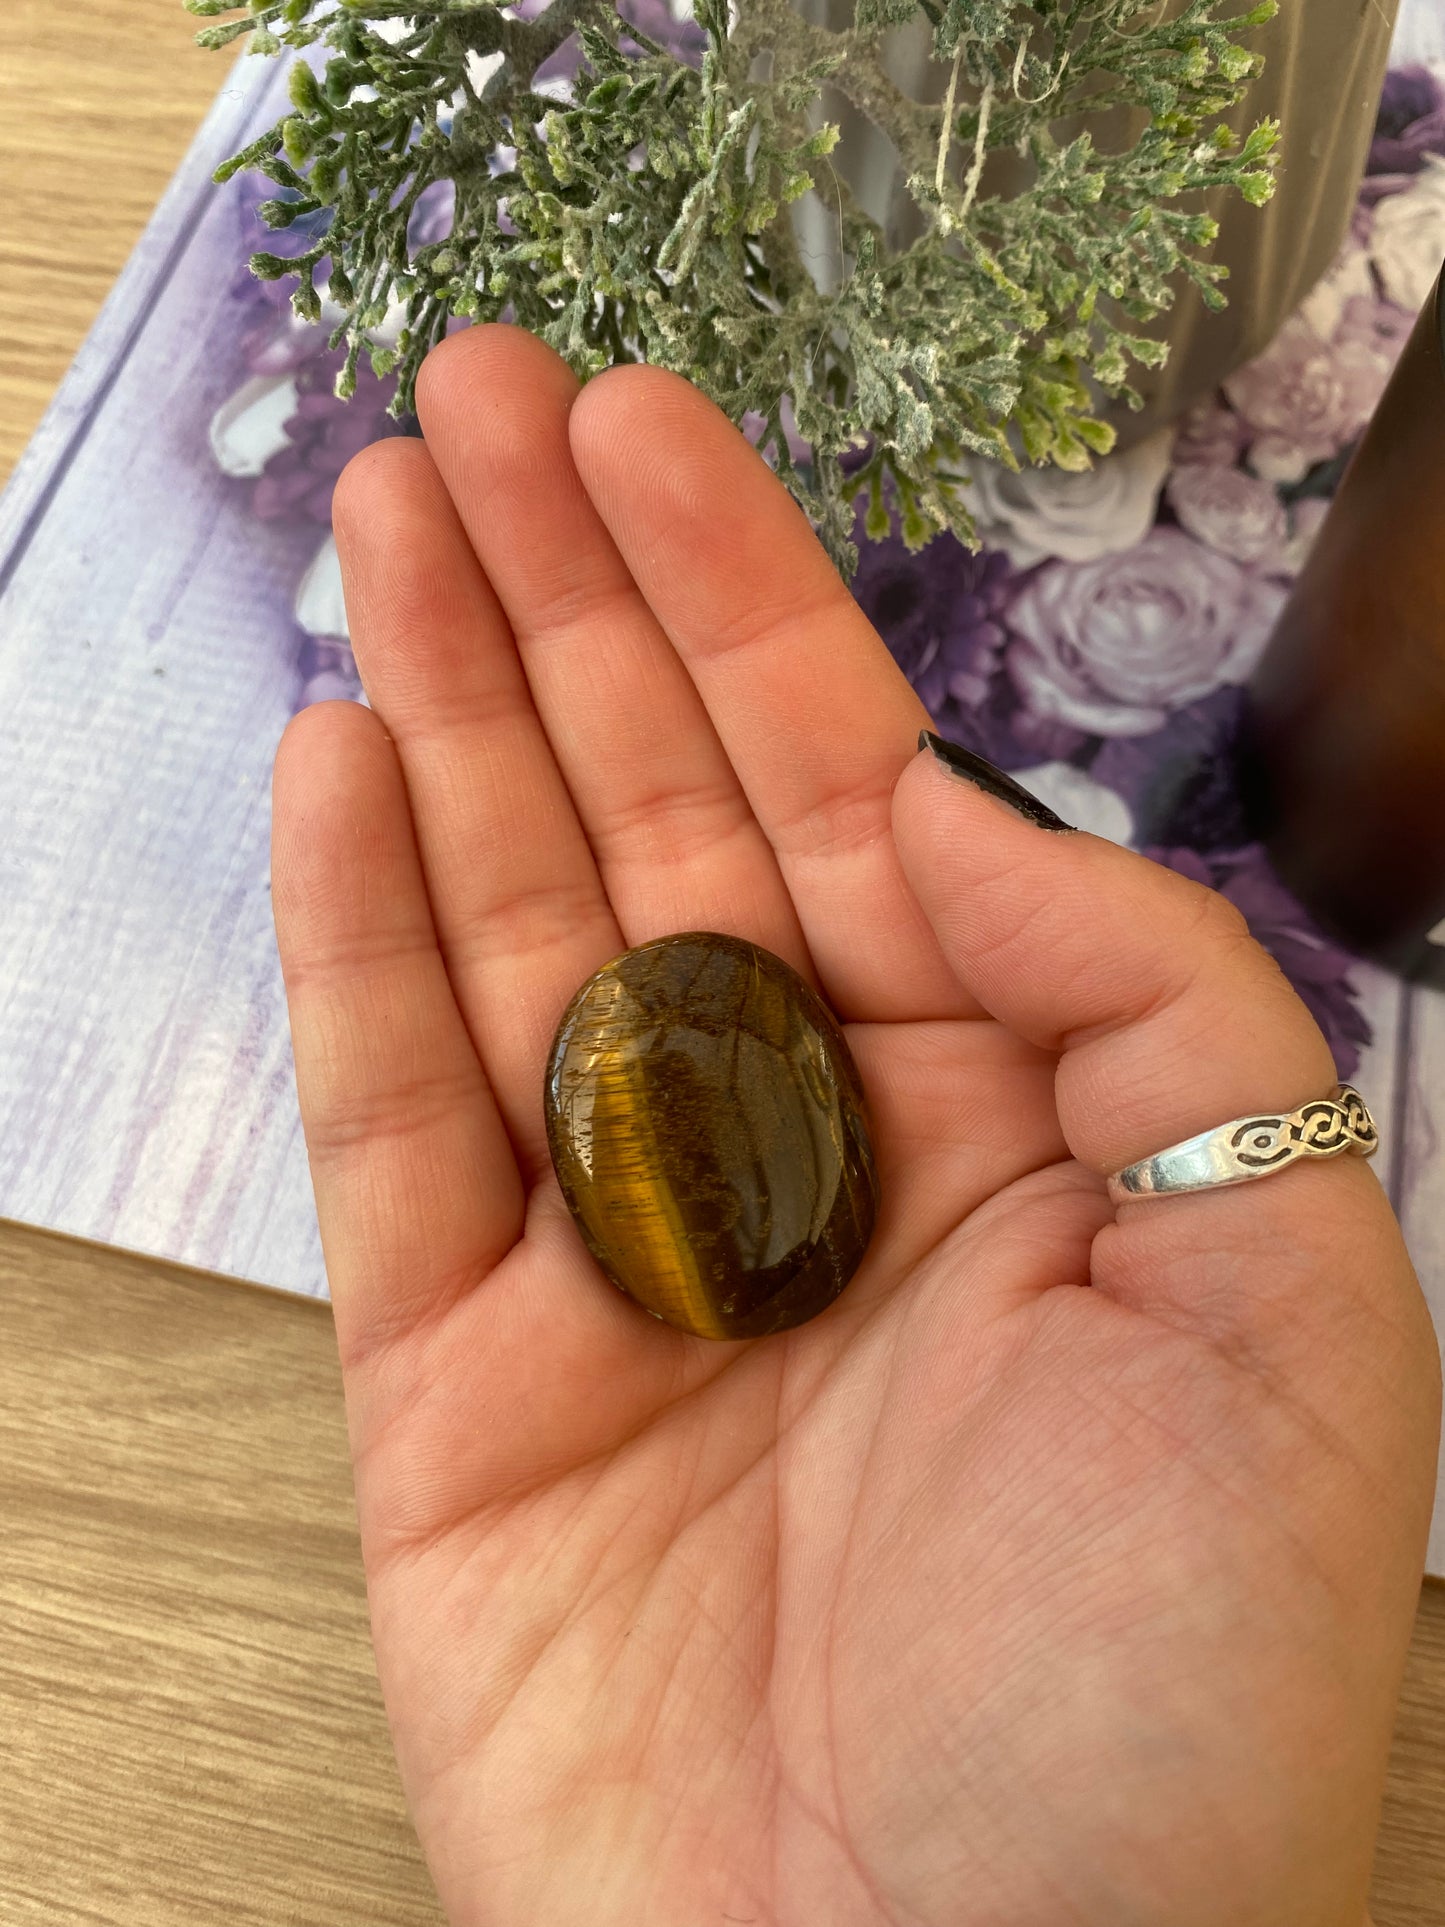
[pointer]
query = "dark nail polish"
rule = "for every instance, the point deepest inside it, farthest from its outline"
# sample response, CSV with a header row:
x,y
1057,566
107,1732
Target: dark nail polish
x,y
992,780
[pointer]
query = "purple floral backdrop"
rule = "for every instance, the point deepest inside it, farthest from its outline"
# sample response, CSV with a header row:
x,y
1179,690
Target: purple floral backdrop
x,y
1099,641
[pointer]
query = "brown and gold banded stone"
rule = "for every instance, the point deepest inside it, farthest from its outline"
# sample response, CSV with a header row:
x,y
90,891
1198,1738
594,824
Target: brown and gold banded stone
x,y
707,1125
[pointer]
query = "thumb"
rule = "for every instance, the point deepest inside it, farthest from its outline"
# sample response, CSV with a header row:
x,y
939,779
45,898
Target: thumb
x,y
1169,1017
1170,1020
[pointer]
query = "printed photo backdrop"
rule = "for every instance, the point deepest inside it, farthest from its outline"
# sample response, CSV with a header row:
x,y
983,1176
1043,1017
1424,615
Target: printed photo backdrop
x,y
169,596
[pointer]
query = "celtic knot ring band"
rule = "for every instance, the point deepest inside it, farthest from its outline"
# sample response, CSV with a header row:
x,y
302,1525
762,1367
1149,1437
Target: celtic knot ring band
x,y
1253,1147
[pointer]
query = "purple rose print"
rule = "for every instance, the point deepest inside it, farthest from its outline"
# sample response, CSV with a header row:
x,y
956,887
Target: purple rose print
x,y
1209,434
939,611
1230,510
327,665
1380,326
1179,783
321,438
1035,513
328,671
1305,398
1112,647
1410,123
1407,238
1319,971
1007,734
284,432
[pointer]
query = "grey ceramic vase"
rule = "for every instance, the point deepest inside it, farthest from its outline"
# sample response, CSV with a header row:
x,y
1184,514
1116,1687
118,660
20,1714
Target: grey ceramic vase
x,y
1322,83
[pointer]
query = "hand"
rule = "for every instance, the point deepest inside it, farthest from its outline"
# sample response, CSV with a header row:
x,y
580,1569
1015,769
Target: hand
x,y
986,1598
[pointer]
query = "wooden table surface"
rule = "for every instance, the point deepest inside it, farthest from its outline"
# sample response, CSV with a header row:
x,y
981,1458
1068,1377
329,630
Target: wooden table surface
x,y
191,1725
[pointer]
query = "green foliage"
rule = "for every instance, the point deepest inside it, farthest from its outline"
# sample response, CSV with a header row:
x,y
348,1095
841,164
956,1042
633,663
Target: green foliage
x,y
648,218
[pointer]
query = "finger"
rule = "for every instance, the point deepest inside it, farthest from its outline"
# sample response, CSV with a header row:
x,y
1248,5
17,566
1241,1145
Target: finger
x,y
959,1112
815,716
677,846
1169,1019
417,1191
520,912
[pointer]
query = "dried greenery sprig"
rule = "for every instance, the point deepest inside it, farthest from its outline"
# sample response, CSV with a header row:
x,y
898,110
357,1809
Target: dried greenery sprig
x,y
648,217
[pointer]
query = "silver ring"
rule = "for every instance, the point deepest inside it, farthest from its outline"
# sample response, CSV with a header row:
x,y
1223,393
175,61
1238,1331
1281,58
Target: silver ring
x,y
1253,1147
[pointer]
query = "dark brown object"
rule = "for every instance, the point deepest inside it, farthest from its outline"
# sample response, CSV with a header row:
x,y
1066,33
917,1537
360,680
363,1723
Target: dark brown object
x,y
706,1122
1343,767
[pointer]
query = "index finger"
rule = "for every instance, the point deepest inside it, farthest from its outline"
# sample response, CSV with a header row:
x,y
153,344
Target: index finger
x,y
816,717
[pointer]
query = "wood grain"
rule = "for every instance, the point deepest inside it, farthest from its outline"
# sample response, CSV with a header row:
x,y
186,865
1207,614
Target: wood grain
x,y
98,101
1409,1887
191,1720
193,1730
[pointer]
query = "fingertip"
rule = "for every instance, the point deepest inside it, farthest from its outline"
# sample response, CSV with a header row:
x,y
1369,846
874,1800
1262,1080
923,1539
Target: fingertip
x,y
444,366
440,366
335,792
968,766
643,432
614,411
629,388
490,359
312,741
955,835
422,615
373,479
712,537
914,779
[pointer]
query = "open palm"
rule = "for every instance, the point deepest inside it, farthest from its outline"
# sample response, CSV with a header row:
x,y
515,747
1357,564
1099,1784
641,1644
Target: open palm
x,y
985,1598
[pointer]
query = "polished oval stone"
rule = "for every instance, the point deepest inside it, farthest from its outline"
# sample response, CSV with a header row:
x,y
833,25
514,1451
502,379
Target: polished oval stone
x,y
707,1125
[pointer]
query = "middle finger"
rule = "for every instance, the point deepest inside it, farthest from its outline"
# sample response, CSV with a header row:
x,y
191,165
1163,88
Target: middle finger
x,y
674,838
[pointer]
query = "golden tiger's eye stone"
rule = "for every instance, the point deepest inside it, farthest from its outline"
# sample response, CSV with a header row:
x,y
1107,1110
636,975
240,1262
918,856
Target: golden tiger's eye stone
x,y
706,1121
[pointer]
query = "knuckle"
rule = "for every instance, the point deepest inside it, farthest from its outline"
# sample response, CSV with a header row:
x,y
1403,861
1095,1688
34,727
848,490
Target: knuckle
x,y
836,822
676,825
525,918
343,1118
1208,926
